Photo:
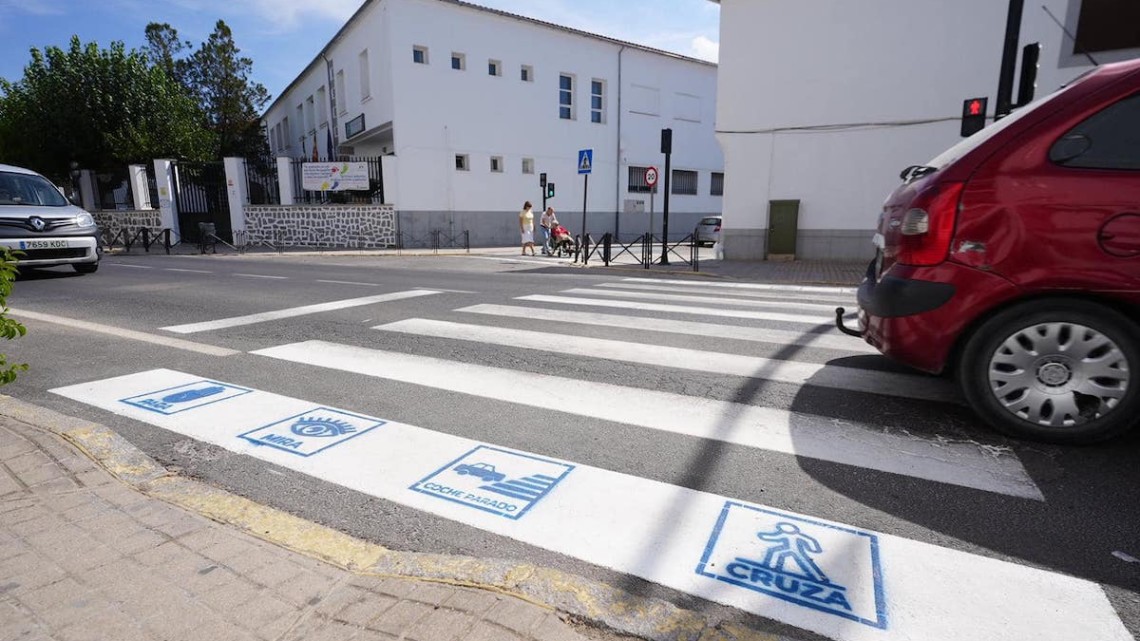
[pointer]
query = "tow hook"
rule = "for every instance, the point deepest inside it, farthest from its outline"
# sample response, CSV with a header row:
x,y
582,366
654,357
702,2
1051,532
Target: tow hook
x,y
839,312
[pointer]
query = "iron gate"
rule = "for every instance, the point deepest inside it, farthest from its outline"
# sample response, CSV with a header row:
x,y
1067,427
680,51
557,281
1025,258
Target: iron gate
x,y
201,197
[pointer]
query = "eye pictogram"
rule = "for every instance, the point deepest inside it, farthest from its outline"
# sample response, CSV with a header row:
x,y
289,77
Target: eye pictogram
x,y
312,426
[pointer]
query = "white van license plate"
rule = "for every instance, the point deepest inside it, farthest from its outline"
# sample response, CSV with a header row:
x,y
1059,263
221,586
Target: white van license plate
x,y
43,244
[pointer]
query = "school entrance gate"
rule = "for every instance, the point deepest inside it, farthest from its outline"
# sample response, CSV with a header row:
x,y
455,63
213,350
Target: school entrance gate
x,y
201,196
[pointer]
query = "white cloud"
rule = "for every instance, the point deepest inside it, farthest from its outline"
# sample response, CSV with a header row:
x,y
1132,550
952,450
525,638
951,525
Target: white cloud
x,y
705,49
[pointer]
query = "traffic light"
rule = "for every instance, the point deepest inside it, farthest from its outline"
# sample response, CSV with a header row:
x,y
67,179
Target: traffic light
x,y
1030,55
973,116
666,141
549,189
542,179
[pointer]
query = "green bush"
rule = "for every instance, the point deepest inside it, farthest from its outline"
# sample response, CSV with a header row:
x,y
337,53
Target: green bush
x,y
9,328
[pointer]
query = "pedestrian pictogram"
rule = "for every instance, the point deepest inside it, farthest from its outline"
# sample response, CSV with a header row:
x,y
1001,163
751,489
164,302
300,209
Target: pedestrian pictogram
x,y
973,115
790,544
585,161
821,566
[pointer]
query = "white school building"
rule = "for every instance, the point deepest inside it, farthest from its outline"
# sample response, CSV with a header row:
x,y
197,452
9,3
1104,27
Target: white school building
x,y
469,105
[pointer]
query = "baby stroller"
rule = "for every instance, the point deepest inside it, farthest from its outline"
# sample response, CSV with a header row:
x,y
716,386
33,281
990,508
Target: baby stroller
x,y
560,241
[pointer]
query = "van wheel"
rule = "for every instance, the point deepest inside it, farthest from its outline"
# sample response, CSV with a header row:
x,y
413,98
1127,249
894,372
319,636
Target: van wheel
x,y
85,268
1056,371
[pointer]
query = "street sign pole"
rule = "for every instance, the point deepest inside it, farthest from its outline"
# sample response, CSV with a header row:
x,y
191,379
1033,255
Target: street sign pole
x,y
585,166
667,149
585,190
651,181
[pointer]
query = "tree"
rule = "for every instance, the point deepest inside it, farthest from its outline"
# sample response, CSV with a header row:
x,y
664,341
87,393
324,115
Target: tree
x,y
100,107
165,50
221,79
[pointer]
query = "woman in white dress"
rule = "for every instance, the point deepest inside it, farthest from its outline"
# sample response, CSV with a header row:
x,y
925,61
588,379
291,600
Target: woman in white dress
x,y
526,226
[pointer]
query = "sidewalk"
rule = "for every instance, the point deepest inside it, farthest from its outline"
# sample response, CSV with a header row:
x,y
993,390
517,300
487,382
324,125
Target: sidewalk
x,y
97,541
797,272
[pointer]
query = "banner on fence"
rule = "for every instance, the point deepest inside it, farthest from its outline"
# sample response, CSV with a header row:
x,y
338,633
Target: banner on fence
x,y
334,176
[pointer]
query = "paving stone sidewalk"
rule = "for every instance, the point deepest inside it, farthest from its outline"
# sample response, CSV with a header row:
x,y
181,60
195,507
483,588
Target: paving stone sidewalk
x,y
86,556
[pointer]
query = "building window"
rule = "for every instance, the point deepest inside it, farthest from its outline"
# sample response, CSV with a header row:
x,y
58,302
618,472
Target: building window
x,y
566,97
684,183
494,68
597,101
526,73
420,55
310,112
299,123
1107,25
717,188
637,184
284,133
458,61
322,107
528,165
497,164
461,162
365,77
341,98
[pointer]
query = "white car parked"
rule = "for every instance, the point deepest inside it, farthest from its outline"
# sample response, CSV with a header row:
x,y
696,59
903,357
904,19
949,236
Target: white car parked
x,y
38,221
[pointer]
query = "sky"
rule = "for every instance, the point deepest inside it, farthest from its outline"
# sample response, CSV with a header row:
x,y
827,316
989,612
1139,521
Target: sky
x,y
282,36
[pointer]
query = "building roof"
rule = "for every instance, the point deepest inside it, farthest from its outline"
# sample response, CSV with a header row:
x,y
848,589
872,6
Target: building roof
x,y
514,16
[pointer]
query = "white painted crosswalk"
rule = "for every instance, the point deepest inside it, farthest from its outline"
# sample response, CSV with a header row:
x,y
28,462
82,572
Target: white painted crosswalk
x,y
861,380
801,568
846,583
690,328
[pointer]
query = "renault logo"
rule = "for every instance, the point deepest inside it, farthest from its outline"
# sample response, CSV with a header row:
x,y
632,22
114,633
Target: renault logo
x,y
37,223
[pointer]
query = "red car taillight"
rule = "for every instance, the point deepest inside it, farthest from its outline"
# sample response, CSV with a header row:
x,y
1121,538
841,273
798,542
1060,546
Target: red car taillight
x,y
717,228
928,227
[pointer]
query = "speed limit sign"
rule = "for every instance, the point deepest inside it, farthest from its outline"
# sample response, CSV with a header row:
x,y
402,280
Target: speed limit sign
x,y
651,176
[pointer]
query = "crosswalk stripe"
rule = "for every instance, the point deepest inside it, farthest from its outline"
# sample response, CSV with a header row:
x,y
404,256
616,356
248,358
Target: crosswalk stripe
x,y
718,300
844,378
293,312
691,328
806,435
756,286
682,309
740,293
854,584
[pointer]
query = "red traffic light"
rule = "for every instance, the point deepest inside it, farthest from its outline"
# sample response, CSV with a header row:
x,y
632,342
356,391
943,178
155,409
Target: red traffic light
x,y
975,107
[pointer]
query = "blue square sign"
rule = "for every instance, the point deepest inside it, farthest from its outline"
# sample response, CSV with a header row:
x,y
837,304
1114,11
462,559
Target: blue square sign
x,y
585,161
816,565
493,480
188,396
311,432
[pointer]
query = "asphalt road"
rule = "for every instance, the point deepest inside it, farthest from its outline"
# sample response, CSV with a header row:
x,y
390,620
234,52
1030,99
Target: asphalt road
x,y
1085,523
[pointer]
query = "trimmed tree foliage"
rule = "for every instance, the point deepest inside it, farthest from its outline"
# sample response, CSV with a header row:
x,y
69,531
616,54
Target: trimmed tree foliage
x,y
99,107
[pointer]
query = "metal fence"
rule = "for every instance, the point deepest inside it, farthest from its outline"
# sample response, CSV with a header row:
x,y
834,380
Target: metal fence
x,y
645,250
374,194
263,186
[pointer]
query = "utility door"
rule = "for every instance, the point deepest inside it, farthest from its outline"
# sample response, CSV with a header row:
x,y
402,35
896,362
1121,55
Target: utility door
x,y
783,221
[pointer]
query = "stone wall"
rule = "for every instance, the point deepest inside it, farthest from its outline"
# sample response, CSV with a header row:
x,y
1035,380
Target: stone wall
x,y
112,221
351,226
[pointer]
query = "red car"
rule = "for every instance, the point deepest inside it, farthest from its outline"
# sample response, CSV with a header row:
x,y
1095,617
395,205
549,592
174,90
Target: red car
x,y
1013,260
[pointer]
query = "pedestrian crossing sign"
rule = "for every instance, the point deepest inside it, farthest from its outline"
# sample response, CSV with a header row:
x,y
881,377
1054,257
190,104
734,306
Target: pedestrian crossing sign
x,y
585,161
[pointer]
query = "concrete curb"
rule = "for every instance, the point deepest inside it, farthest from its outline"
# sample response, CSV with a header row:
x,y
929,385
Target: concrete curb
x,y
589,601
